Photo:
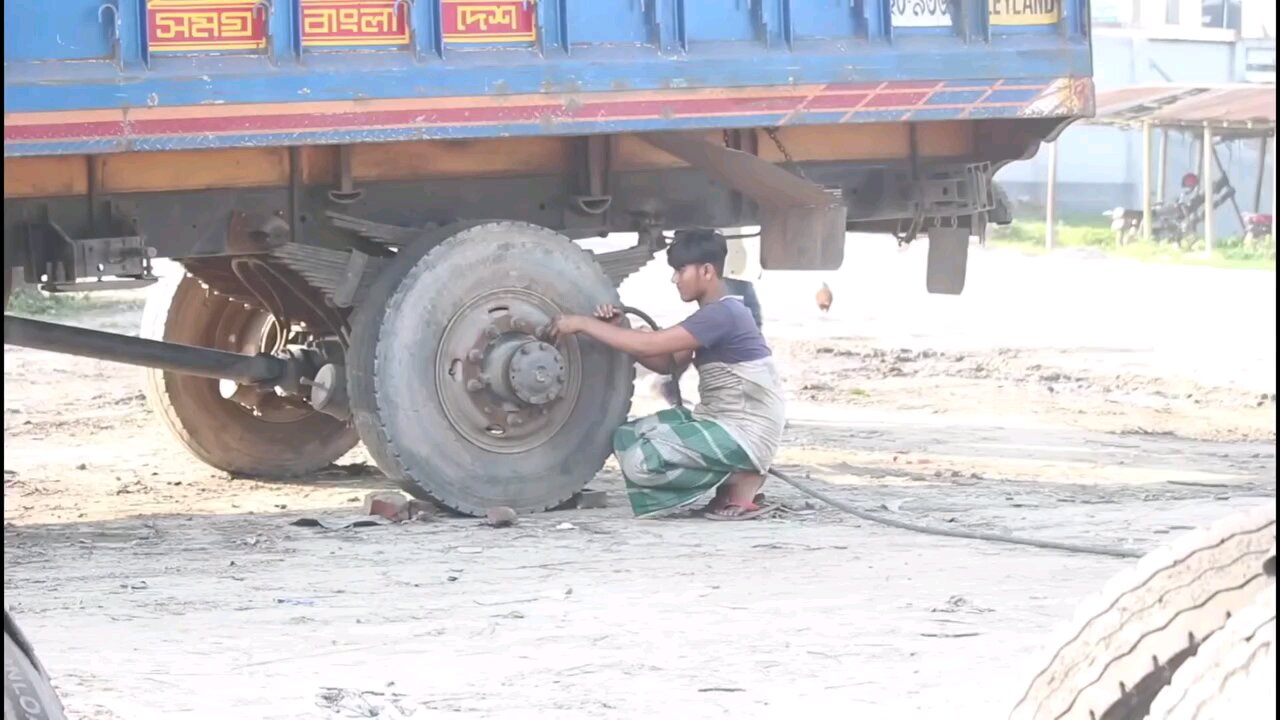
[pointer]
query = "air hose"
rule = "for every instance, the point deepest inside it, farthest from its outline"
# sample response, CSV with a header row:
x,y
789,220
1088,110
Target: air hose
x,y
1111,551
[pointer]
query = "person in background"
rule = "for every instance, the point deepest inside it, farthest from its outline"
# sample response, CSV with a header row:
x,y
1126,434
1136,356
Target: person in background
x,y
736,272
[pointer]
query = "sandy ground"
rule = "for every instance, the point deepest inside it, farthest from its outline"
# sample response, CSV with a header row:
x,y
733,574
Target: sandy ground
x,y
1067,397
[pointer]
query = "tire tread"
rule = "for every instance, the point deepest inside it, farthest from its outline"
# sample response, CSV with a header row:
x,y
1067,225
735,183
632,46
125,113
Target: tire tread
x,y
1142,619
1232,672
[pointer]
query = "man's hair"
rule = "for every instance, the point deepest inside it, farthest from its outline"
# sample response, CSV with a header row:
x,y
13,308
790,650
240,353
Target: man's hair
x,y
697,247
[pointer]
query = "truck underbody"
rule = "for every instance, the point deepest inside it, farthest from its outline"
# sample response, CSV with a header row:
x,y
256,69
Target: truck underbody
x,y
396,294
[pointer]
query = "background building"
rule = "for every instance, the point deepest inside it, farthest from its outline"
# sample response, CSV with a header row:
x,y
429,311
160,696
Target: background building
x,y
1144,42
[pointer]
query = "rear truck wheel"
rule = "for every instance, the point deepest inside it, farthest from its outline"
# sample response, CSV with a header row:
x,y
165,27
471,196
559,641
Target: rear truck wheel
x,y
28,694
456,390
948,260
234,428
1233,675
1127,642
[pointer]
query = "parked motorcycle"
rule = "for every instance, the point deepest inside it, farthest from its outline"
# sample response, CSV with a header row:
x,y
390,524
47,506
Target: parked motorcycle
x,y
1174,221
1258,228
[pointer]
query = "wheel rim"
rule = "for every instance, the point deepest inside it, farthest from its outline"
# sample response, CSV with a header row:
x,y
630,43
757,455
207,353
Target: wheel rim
x,y
250,331
500,384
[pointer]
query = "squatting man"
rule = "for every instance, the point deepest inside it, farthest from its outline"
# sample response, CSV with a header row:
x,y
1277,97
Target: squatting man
x,y
725,445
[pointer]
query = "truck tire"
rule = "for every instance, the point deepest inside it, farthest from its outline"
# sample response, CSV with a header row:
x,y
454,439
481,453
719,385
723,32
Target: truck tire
x,y
1002,210
284,440
433,380
1233,675
1126,642
28,694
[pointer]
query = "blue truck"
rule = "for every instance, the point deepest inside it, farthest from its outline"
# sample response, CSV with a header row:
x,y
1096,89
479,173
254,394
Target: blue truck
x,y
375,201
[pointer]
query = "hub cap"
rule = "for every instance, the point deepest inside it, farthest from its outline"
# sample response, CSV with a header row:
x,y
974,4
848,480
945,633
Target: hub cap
x,y
536,373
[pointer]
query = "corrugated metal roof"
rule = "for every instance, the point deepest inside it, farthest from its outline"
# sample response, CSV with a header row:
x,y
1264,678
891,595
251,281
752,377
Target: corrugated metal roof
x,y
1247,109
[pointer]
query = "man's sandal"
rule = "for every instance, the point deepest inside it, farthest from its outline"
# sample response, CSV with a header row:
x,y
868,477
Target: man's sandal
x,y
749,512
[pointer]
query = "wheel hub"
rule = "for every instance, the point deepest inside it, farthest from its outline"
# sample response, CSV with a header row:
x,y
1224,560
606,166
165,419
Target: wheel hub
x,y
251,331
536,373
501,385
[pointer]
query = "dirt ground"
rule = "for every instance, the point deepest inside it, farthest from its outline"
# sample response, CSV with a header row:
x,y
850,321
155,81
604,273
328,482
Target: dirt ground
x,y
1066,397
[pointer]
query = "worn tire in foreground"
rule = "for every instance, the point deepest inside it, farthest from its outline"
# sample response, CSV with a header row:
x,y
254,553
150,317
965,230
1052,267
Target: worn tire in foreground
x,y
28,694
1233,675
1126,643
284,441
419,342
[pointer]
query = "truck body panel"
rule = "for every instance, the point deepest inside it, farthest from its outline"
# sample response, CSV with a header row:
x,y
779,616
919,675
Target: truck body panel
x,y
154,75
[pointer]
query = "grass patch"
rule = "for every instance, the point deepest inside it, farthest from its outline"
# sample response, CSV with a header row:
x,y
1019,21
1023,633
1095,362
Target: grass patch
x,y
1229,252
29,301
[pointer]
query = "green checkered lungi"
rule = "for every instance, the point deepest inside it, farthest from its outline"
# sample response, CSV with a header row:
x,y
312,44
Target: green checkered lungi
x,y
670,460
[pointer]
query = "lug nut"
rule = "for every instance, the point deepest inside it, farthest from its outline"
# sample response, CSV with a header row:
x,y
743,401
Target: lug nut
x,y
474,385
475,356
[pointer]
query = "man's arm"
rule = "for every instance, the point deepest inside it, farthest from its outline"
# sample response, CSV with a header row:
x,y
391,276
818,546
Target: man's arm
x,y
661,364
666,363
649,345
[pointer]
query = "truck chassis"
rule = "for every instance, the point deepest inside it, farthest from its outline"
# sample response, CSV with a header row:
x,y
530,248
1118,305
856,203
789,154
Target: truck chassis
x,y
398,294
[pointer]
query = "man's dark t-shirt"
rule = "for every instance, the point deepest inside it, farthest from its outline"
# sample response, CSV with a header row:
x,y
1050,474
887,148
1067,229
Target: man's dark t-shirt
x,y
726,332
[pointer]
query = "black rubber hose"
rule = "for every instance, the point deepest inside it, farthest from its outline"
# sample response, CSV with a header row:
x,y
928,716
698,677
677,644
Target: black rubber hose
x,y
646,317
841,505
946,532
677,400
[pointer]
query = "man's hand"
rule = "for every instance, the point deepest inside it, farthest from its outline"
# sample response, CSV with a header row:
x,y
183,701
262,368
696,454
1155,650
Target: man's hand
x,y
566,325
573,324
609,314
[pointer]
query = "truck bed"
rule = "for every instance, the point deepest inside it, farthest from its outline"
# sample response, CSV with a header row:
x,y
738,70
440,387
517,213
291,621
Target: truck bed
x,y
148,75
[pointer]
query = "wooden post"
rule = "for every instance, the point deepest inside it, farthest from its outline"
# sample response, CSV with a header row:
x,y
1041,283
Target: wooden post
x,y
1206,182
1146,181
1162,179
1262,174
1051,198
